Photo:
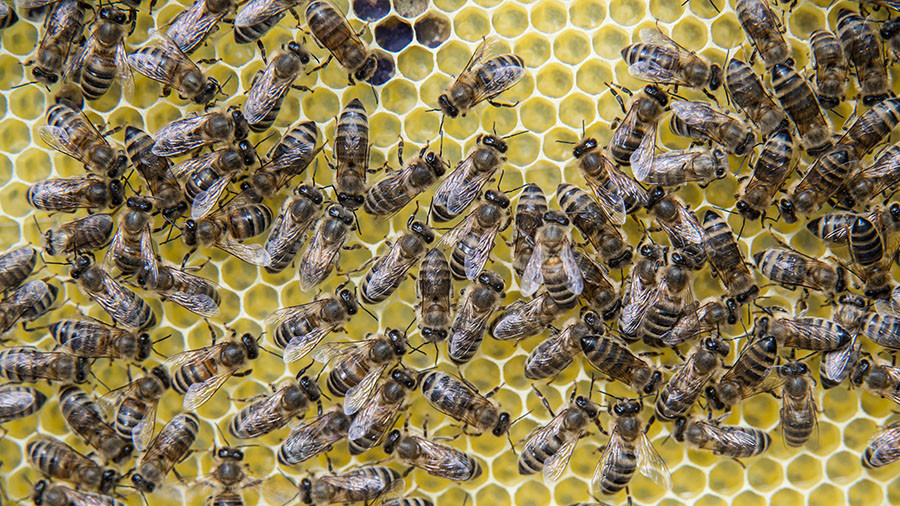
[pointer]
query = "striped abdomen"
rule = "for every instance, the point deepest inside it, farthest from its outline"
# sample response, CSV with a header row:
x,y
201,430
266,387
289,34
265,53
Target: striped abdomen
x,y
25,401
866,244
347,373
194,372
247,34
533,456
249,221
617,471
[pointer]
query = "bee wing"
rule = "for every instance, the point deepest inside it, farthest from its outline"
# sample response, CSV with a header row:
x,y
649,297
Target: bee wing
x,y
642,160
257,11
701,117
148,256
73,68
302,311
572,270
15,402
475,259
612,453
124,75
388,269
192,165
885,171
142,433
475,59
267,91
650,70
533,277
58,139
461,229
687,328
889,308
812,331
178,137
555,466
654,36
301,345
109,259
110,401
199,393
122,304
176,361
32,4
626,186
207,199
686,227
358,395
642,297
457,191
197,303
253,254
328,351
651,463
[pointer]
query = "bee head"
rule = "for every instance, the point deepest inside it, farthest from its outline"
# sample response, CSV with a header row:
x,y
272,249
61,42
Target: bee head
x,y
351,201
391,441
586,145
311,193
495,142
208,91
492,280
141,484
436,163
250,345
145,346
652,385
189,234
110,13
422,230
310,387
656,194
593,321
657,94
80,266
173,213
626,407
746,211
714,345
715,77
306,490
400,376
433,335
162,375
349,300
502,426
367,70
794,369
108,480
116,193
678,433
733,310
43,76
446,107
139,203
890,28
556,217
82,369
497,197
589,407
241,127
398,342
248,152
37,492
787,211
298,49
229,454
860,371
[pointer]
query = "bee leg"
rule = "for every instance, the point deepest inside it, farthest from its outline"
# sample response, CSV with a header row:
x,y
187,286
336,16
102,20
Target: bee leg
x,y
262,51
242,373
321,66
543,401
501,104
296,15
739,462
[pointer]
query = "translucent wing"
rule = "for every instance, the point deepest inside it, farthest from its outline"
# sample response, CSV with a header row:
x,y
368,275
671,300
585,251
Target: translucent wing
x,y
686,227
358,395
461,187
200,354
300,346
572,270
611,199
109,259
253,254
14,402
122,304
148,256
199,393
150,67
651,70
812,331
329,351
192,165
189,28
651,463
476,258
643,157
257,11
612,454
58,139
180,136
532,277
267,91
32,4
641,297
73,68
627,189
476,57
124,75
555,466
142,433
505,76
451,238
701,117
386,270
194,301
654,36
205,201
109,402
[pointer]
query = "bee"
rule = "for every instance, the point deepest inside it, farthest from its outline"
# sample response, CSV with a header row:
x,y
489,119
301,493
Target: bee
x,y
863,48
434,458
15,266
746,89
880,379
102,57
882,449
90,338
472,239
72,134
68,194
764,30
661,60
298,213
50,494
172,444
681,226
267,92
558,351
28,302
831,68
639,124
477,303
599,293
332,31
549,448
628,450
461,401
732,441
257,17
806,333
390,195
746,377
482,79
770,171
615,360
312,438
359,365
362,484
462,186
882,176
63,26
323,252
226,227
669,303
25,364
700,121
698,320
589,218
227,477
165,189
8,16
867,248
89,233
640,290
19,401
198,374
164,62
205,177
523,319
673,168
132,249
530,209
376,416
836,365
194,293
792,269
823,179
289,158
679,394
617,193
553,264
833,227
84,417
881,329
197,131
389,270
873,126
123,305
433,289
727,259
192,26
57,460
270,413
798,409
134,406
298,329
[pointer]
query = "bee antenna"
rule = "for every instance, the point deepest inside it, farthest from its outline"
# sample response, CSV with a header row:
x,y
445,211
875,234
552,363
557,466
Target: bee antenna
x,y
24,84
369,312
561,141
510,136
374,93
406,332
583,131
516,188
270,352
100,381
225,439
609,394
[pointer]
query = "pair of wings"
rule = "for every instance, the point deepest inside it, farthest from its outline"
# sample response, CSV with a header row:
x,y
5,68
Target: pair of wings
x,y
143,62
611,192
359,394
286,231
267,91
461,187
813,329
373,412
17,401
690,326
650,168
703,118
319,257
794,267
64,193
361,480
122,305
147,249
183,135
258,11
649,69
191,27
478,256
533,277
387,270
650,462
310,439
300,345
59,138
684,229
142,433
206,200
503,78
729,437
520,319
198,393
124,75
189,293
637,299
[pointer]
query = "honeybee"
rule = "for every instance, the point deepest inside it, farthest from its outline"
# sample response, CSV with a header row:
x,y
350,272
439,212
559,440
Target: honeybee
x,y
123,305
882,328
191,27
462,186
679,394
831,68
882,176
640,290
823,179
833,228
19,401
298,329
15,266
661,60
57,460
700,121
63,26
732,441
836,365
873,126
72,134
433,289
472,239
69,194
806,333
558,351
102,57
628,450
698,320
323,252
165,189
798,408
359,365
332,31
134,406
272,412
770,171
792,269
164,62
553,264
197,131
590,219
90,338
205,177
89,233
312,438
599,293
84,417
673,168
171,445
523,319
882,449
764,30
639,124
298,213
194,293
267,92
390,269
257,17
132,249
432,457
289,158
617,193
727,259
615,360
461,401
50,494
530,209
746,89
549,447
390,195
477,303
482,79
225,227
25,364
863,48
880,379
362,484
380,411
867,249
8,16
28,302
672,297
746,377
681,226
199,373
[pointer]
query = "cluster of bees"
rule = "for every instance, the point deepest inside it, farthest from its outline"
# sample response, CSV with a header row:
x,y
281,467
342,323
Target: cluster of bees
x,y
204,166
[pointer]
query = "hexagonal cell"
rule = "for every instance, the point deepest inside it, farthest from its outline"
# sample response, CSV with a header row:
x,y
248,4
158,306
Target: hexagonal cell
x,y
410,8
472,24
393,34
587,14
548,16
510,20
371,10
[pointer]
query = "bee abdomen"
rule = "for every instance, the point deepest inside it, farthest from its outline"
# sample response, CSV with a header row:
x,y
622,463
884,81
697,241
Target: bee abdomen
x,y
619,471
264,124
97,77
533,457
192,373
248,34
865,242
130,413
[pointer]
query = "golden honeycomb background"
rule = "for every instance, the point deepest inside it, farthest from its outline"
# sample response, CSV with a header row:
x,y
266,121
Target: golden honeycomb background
x,y
571,49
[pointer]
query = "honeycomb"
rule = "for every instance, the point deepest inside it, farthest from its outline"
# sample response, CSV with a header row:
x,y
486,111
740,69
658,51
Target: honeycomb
x,y
571,49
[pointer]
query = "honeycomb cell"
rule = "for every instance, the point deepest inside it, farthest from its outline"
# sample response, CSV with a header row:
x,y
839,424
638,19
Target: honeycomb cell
x,y
692,32
587,14
554,80
533,493
688,482
538,114
548,16
371,10
843,467
840,404
804,20
576,110
422,125
726,31
866,492
385,129
524,149
571,47
510,20
415,63
393,34
706,8
385,69
472,24
501,120
626,12
20,39
726,478
609,40
826,493
33,165
534,49
857,433
321,105
765,474
14,135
